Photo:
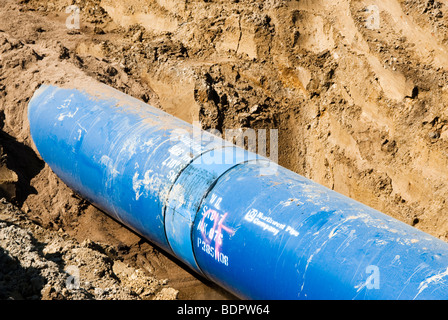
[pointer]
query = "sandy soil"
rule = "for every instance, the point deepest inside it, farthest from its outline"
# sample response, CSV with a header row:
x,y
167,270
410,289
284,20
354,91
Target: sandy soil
x,y
357,90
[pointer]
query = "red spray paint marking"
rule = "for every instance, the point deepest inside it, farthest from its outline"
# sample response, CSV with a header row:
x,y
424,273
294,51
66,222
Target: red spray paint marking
x,y
216,230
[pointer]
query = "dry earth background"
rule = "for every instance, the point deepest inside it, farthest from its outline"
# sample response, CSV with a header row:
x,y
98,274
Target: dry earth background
x,y
360,105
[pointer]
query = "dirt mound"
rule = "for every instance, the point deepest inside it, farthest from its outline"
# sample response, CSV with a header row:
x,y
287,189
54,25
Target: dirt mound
x,y
357,90
41,264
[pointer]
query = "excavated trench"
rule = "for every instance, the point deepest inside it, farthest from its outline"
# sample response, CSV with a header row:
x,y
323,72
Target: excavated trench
x,y
359,105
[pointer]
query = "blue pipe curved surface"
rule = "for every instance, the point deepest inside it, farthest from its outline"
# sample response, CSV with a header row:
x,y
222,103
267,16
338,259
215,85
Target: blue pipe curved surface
x,y
255,228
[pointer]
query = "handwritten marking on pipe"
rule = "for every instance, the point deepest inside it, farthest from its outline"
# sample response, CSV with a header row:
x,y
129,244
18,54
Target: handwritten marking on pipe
x,y
69,114
66,103
216,201
213,234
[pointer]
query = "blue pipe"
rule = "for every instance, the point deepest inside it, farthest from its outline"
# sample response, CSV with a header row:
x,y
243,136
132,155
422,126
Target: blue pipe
x,y
255,228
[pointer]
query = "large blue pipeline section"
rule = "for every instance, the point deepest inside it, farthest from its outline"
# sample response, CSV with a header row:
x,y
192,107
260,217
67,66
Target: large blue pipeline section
x,y
256,229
